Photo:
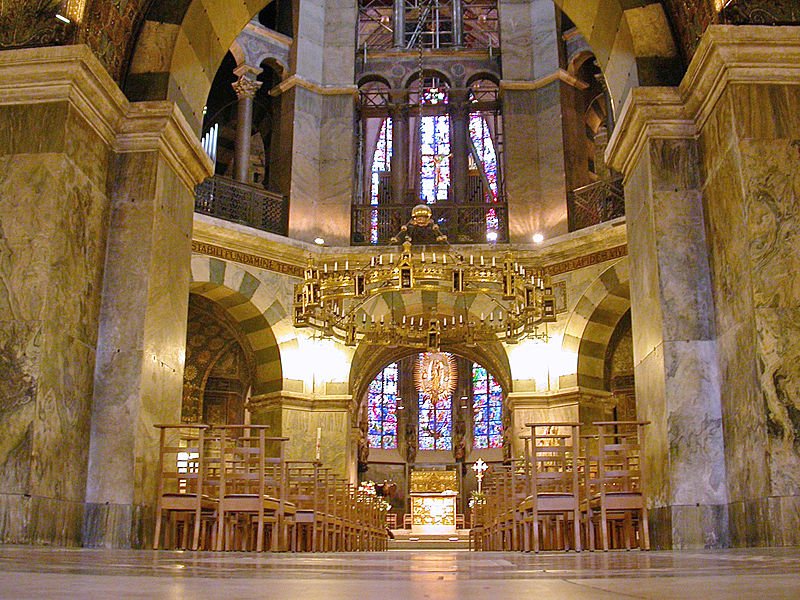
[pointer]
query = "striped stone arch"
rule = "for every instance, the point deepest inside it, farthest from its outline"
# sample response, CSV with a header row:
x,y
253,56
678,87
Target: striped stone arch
x,y
592,323
182,43
254,308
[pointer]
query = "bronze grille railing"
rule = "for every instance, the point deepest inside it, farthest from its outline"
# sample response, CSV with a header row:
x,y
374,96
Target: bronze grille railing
x,y
242,203
596,203
462,223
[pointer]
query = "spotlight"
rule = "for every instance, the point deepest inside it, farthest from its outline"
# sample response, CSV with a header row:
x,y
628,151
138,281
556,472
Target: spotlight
x,y
319,241
538,238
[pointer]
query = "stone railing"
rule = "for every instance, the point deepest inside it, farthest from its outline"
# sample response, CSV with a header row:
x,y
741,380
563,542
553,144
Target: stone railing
x,y
242,203
596,203
462,223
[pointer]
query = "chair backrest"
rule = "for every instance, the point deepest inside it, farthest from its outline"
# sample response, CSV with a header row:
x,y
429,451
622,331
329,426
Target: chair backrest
x,y
619,465
553,450
181,466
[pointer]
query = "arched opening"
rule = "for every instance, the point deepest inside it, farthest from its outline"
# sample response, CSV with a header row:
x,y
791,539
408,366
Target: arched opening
x,y
429,415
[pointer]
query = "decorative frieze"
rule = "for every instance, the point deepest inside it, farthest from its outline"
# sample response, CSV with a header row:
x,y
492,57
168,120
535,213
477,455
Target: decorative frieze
x,y
244,258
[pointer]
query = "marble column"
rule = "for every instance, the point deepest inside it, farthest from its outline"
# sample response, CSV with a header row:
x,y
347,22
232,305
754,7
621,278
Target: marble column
x,y
459,165
321,107
711,171
399,24
103,191
458,24
56,128
245,87
535,181
399,162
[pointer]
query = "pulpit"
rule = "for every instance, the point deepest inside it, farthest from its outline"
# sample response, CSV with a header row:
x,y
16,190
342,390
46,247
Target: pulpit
x,y
433,502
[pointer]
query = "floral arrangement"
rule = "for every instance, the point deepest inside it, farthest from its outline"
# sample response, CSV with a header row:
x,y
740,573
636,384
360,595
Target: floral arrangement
x,y
476,498
366,490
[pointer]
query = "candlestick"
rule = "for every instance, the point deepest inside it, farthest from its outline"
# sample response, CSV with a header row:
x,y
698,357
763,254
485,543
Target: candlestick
x,y
319,438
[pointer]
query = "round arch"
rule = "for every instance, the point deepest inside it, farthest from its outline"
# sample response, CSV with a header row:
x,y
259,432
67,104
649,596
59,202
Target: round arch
x,y
591,325
369,359
254,309
192,40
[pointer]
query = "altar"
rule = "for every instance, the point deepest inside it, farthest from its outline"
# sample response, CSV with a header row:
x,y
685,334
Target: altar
x,y
433,502
433,513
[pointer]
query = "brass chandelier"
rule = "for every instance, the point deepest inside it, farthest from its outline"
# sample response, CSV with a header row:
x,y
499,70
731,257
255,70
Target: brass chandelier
x,y
421,300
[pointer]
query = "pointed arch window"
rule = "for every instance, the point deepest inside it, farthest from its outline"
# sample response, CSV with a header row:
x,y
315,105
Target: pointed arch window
x,y
382,409
487,409
381,165
435,422
434,151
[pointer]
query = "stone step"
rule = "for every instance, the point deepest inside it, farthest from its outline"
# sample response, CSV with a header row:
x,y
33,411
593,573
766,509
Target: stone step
x,y
428,544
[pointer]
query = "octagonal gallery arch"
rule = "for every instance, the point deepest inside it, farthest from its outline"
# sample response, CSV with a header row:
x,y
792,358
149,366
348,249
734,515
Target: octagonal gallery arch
x,y
592,323
256,312
178,50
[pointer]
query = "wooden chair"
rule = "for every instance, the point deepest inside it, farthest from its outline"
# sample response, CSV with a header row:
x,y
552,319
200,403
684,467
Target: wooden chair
x,y
252,489
307,494
183,492
553,500
615,504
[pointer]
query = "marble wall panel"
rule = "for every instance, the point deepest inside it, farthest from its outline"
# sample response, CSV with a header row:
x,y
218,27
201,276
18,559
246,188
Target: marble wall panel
x,y
772,200
340,43
534,179
516,31
651,406
53,213
694,423
301,427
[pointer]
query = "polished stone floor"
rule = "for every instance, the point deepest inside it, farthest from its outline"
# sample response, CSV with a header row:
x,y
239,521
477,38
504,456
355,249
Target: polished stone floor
x,y
35,572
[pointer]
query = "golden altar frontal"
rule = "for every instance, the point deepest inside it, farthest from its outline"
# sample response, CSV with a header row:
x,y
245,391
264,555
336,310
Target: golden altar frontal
x,y
433,502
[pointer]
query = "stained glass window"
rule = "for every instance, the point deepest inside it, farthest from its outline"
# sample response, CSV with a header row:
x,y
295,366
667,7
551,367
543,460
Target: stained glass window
x,y
435,422
434,149
382,409
381,161
486,159
487,409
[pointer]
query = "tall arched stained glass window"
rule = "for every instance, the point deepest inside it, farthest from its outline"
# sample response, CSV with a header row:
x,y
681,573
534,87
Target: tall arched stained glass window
x,y
382,409
381,161
435,422
487,409
434,134
486,161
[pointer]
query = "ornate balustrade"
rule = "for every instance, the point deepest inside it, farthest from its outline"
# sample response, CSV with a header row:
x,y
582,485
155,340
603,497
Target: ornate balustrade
x,y
242,203
596,203
462,223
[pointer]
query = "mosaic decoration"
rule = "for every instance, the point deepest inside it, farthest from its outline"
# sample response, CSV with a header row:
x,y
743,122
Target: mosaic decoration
x,y
434,134
382,409
381,161
107,29
487,409
436,379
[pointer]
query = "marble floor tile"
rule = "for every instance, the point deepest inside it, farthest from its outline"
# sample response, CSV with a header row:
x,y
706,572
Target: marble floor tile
x,y
34,572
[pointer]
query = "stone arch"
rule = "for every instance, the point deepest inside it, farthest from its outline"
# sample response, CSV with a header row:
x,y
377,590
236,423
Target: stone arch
x,y
409,80
591,325
178,49
256,312
369,359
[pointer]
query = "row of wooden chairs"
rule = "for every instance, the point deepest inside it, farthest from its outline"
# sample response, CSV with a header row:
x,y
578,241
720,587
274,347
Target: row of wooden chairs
x,y
231,488
569,491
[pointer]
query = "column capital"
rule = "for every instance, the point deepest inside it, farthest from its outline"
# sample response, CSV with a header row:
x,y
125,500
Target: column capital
x,y
726,55
246,85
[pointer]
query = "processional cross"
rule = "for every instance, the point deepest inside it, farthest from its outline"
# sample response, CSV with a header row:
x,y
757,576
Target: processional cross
x,y
479,467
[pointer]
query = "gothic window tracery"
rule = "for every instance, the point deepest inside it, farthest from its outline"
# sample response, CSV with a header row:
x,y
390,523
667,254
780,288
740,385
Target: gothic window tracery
x,y
487,409
382,409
